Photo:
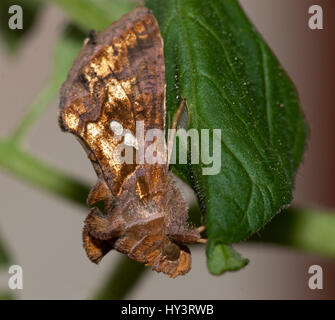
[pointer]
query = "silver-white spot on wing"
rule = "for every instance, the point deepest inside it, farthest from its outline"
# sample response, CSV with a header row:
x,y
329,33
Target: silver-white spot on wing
x,y
116,127
130,140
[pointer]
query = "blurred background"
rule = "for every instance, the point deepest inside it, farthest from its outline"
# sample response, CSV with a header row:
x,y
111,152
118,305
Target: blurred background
x,y
43,232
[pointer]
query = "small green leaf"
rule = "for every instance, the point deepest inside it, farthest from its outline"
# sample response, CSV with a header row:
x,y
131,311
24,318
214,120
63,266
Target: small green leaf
x,y
12,38
222,258
90,14
215,58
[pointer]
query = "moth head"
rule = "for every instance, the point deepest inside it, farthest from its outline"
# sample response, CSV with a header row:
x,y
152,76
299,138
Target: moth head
x,y
171,251
171,258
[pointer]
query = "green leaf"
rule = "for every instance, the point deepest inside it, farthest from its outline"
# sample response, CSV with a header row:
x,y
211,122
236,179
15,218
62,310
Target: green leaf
x,y
222,258
12,38
95,14
216,59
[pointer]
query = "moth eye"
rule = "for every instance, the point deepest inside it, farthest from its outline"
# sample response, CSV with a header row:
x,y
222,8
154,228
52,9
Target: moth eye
x,y
171,251
116,127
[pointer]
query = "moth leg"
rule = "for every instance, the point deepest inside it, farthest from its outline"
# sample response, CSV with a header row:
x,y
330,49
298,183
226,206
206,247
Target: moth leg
x,y
202,240
187,236
182,110
103,227
95,249
201,229
184,235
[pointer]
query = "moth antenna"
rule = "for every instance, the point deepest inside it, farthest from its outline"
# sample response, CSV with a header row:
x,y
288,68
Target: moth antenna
x,y
183,107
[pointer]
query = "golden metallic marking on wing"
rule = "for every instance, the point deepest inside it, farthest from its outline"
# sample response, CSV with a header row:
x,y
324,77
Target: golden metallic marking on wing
x,y
101,143
120,61
71,119
139,27
128,85
115,91
130,38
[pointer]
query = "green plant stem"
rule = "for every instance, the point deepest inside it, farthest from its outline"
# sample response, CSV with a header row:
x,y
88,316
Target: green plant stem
x,y
6,295
90,14
304,229
5,258
309,230
124,277
39,105
30,169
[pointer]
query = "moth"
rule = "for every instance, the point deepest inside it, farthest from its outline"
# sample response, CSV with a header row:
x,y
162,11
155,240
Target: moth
x,y
117,79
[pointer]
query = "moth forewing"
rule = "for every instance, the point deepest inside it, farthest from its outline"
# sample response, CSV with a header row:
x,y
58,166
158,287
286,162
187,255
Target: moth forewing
x,y
118,79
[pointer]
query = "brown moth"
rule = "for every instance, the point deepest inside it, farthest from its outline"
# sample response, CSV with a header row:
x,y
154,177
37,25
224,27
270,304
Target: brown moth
x,y
119,78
